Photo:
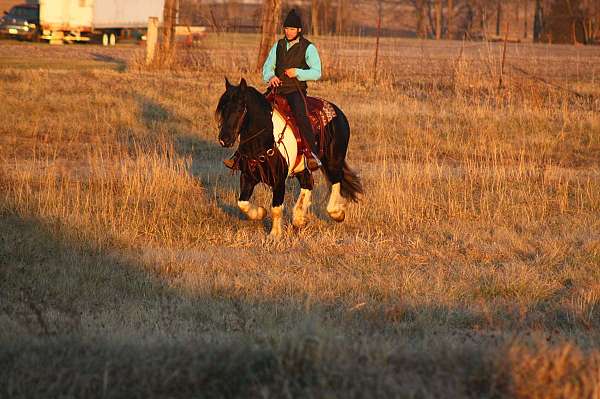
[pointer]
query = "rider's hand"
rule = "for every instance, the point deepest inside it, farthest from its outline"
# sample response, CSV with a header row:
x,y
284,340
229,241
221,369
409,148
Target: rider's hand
x,y
275,82
291,73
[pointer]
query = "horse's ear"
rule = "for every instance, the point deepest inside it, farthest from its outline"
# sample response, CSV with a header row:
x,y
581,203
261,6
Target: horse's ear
x,y
243,84
227,84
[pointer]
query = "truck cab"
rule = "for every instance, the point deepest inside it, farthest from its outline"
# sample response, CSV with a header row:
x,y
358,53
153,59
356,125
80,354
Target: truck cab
x,y
22,21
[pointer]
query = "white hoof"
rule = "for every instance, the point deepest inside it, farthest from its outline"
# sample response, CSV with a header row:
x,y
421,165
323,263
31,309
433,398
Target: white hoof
x,y
276,230
299,221
252,211
338,216
301,208
336,208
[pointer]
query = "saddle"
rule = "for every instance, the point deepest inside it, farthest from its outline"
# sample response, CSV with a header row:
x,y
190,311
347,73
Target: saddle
x,y
320,113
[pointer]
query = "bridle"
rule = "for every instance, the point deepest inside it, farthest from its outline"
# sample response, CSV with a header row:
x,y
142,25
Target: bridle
x,y
238,127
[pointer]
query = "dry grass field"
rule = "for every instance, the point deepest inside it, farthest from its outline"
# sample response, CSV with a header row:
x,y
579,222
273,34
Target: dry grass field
x,y
470,269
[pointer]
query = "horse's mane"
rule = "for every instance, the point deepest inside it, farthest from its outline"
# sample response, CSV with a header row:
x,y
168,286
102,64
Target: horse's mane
x,y
226,99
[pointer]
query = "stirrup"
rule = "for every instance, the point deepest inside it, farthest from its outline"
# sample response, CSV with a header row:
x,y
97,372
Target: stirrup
x,y
312,162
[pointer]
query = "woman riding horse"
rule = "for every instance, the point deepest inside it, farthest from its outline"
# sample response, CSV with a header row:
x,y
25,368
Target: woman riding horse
x,y
292,61
267,152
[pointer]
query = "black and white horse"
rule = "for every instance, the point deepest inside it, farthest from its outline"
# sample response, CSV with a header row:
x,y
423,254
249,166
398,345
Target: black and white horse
x,y
267,152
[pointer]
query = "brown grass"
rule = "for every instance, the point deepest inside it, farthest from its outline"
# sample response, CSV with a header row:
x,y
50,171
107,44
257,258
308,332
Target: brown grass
x,y
469,269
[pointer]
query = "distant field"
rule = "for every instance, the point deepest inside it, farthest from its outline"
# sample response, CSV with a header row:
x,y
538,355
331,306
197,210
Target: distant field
x,y
471,267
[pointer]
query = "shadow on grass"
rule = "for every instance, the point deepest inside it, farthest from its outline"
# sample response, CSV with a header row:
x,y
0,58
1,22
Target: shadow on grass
x,y
206,156
120,64
57,292
79,319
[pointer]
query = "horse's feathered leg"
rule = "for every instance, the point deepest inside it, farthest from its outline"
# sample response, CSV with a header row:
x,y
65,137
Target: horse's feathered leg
x,y
303,203
252,211
277,208
345,184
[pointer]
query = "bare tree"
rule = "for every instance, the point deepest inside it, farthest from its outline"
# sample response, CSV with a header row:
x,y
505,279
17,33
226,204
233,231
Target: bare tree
x,y
270,23
339,17
538,24
438,19
526,27
325,20
419,6
169,16
498,16
314,16
450,31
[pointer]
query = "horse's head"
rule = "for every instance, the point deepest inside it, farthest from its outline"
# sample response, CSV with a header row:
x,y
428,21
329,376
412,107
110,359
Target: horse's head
x,y
231,112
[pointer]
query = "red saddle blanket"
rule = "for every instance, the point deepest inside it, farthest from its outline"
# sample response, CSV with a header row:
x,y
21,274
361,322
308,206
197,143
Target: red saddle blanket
x,y
320,113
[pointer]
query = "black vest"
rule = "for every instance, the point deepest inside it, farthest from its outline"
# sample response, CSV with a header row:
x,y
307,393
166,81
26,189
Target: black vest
x,y
295,57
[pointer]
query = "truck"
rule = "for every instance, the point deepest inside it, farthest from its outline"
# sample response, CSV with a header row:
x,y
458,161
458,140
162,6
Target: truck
x,y
107,20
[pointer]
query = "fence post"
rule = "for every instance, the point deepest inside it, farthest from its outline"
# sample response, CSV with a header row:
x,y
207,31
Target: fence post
x,y
151,39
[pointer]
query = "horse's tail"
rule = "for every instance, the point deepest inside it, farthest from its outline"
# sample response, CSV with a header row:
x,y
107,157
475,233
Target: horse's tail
x,y
350,185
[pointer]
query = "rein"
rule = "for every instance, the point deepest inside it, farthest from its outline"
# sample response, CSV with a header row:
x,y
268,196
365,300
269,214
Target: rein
x,y
252,137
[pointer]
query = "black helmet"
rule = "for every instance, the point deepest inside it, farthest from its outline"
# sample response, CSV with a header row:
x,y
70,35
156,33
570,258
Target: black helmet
x,y
292,20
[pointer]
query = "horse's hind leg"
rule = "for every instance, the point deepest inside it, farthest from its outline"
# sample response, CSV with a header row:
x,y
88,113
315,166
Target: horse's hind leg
x,y
252,211
303,203
336,207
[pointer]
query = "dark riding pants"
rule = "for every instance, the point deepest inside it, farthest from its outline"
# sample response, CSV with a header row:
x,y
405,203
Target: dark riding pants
x,y
298,107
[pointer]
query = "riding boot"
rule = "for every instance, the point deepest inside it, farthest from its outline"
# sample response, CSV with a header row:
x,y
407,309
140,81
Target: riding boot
x,y
312,160
232,163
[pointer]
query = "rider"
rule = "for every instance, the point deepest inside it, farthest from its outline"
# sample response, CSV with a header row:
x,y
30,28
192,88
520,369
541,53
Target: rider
x,y
291,62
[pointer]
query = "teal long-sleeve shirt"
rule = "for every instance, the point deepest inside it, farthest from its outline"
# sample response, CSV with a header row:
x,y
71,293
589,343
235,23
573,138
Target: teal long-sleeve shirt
x,y
312,60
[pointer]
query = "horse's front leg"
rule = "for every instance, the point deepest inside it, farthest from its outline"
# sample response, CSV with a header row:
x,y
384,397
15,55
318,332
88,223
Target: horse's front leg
x,y
277,208
252,211
303,203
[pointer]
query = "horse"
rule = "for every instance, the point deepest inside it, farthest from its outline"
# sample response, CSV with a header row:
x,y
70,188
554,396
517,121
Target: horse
x,y
267,151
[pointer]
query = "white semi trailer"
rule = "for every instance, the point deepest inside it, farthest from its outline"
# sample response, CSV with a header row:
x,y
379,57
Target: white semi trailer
x,y
82,20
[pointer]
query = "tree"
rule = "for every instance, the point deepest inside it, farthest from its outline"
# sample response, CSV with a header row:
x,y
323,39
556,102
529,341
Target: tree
x,y
314,17
421,28
450,31
339,17
438,19
498,16
538,22
169,16
270,24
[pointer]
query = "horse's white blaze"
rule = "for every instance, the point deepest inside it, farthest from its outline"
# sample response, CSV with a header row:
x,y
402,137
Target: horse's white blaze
x,y
276,213
336,207
288,146
301,208
252,211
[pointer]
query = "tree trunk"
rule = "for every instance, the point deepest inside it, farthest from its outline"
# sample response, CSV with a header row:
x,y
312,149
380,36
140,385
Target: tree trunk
x,y
498,16
325,28
314,17
538,23
270,23
339,17
420,14
526,19
169,15
379,17
450,32
438,20
431,19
